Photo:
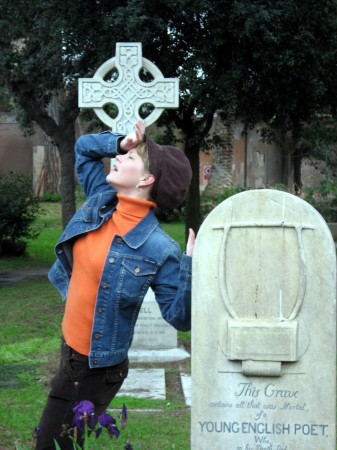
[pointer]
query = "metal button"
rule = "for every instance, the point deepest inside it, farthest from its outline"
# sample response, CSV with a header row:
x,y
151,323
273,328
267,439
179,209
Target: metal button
x,y
100,310
111,260
97,336
104,286
137,269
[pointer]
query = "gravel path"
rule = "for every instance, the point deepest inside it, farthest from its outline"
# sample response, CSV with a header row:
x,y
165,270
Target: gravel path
x,y
13,276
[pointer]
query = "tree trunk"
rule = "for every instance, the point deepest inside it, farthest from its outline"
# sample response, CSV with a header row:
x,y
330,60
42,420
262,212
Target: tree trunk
x,y
192,213
52,167
297,162
67,156
59,125
222,159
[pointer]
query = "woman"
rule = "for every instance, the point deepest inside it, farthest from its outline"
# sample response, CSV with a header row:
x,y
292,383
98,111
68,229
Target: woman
x,y
108,256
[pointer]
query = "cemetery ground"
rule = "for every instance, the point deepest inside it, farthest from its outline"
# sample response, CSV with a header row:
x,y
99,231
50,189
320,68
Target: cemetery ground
x,y
31,312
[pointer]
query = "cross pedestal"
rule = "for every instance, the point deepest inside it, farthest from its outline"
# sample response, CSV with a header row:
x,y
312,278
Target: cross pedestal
x,y
128,92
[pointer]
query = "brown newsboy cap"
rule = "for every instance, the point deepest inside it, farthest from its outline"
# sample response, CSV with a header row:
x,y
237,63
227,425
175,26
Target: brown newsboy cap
x,y
172,172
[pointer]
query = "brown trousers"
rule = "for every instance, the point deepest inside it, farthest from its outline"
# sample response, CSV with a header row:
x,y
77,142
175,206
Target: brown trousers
x,y
74,382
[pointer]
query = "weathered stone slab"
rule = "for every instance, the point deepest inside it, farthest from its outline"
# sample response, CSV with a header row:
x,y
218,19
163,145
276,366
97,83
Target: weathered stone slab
x,y
185,379
158,356
144,383
154,339
152,332
264,327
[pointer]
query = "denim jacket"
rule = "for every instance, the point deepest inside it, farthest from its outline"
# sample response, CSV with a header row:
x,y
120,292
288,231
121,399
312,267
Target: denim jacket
x,y
144,257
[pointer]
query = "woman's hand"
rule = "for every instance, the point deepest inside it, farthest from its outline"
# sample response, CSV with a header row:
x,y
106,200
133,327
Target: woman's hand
x,y
190,242
133,139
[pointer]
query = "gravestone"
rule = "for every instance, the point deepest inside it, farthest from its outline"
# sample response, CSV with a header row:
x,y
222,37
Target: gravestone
x,y
154,339
128,92
152,332
264,327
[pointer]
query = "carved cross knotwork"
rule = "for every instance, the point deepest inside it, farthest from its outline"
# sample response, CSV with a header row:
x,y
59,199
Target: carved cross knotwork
x,y
128,92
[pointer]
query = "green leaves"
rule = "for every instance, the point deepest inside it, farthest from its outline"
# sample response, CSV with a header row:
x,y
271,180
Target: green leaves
x,y
18,208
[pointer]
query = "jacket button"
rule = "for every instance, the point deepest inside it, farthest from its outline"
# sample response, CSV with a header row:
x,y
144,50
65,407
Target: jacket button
x,y
104,286
97,336
100,310
119,240
111,260
137,269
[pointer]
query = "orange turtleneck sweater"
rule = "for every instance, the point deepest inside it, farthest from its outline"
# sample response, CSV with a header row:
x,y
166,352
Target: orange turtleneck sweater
x,y
89,254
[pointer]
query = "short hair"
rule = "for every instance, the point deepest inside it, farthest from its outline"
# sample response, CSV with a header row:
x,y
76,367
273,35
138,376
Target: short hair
x,y
143,153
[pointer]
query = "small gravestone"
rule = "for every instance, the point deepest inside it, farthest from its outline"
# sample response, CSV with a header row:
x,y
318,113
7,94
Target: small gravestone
x,y
264,327
154,339
151,330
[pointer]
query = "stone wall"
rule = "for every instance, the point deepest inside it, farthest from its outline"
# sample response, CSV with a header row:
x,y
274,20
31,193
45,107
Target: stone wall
x,y
253,163
16,151
312,172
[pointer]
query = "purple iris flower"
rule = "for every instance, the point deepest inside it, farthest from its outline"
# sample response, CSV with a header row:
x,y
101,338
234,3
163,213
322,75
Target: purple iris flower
x,y
108,422
124,417
83,410
85,407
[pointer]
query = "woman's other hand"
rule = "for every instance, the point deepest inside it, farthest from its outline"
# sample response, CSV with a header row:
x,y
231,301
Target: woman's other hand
x,y
190,242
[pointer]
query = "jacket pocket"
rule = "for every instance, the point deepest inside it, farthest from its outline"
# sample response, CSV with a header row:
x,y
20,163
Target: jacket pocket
x,y
136,276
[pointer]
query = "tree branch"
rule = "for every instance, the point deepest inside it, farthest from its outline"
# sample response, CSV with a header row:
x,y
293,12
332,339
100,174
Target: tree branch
x,y
25,96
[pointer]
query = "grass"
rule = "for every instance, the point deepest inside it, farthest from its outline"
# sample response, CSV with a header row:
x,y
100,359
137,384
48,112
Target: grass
x,y
40,251
31,313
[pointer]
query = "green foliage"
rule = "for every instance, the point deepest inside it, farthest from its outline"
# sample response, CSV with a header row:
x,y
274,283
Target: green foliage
x,y
280,187
208,203
319,140
170,215
18,209
79,195
277,41
50,197
6,102
245,60
25,124
167,136
324,199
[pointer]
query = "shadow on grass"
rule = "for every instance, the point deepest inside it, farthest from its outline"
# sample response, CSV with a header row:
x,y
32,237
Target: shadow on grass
x,y
15,375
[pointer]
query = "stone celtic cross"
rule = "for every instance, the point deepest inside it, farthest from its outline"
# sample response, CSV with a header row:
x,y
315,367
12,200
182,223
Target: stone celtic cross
x,y
128,92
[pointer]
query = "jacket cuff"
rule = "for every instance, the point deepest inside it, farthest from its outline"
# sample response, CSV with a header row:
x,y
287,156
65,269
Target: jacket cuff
x,y
118,146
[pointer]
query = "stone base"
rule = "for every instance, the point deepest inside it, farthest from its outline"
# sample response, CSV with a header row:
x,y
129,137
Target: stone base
x,y
144,383
186,384
145,356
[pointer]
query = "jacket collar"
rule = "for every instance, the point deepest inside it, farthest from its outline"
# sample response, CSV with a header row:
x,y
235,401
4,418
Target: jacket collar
x,y
106,203
141,232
